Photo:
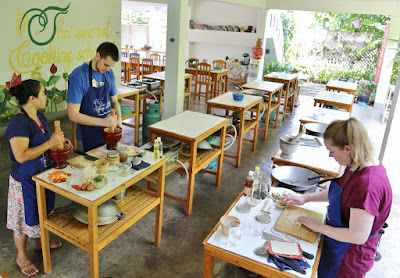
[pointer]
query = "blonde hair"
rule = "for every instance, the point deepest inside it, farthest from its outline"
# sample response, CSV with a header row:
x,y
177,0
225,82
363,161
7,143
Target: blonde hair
x,y
352,133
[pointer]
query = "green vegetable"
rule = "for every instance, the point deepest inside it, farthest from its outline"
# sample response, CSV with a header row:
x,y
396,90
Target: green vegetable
x,y
98,179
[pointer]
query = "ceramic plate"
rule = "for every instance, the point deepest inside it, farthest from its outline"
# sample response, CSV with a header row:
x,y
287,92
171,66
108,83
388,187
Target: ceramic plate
x,y
280,191
263,218
59,177
88,192
243,208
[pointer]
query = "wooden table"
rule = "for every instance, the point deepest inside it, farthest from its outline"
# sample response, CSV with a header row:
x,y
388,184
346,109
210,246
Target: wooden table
x,y
216,75
326,116
342,86
192,127
313,158
342,100
215,245
188,83
270,88
125,64
226,102
122,92
291,85
91,237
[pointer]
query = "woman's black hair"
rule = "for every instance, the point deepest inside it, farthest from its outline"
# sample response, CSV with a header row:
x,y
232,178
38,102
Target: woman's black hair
x,y
23,91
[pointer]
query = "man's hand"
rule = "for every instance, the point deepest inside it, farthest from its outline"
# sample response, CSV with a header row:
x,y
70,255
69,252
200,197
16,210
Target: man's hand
x,y
110,120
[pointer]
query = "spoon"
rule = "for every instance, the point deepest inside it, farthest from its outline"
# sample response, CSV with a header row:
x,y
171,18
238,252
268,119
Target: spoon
x,y
136,160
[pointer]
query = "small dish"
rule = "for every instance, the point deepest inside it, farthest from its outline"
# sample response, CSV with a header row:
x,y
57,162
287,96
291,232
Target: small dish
x,y
281,205
263,218
243,208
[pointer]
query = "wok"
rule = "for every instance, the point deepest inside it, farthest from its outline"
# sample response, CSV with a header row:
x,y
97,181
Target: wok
x,y
316,129
297,178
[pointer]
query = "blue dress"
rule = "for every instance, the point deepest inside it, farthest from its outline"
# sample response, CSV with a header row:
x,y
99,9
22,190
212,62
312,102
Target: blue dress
x,y
22,126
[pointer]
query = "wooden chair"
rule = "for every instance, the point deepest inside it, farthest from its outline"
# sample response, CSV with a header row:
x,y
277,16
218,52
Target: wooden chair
x,y
203,77
124,54
164,62
147,67
134,68
240,80
137,55
156,61
197,61
223,82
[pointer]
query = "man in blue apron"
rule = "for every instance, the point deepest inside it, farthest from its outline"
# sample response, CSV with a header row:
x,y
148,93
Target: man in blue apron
x,y
92,94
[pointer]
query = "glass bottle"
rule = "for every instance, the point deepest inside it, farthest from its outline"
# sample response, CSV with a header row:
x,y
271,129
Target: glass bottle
x,y
156,150
249,184
160,147
256,182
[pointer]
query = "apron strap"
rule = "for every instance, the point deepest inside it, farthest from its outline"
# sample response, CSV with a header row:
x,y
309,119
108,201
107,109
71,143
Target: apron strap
x,y
90,74
344,187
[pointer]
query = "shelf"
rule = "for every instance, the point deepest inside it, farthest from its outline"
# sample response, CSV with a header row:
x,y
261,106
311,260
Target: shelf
x,y
222,37
135,204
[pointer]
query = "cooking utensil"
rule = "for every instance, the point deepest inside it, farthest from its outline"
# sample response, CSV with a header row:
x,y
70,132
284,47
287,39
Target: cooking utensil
x,y
108,212
316,129
297,138
297,178
261,250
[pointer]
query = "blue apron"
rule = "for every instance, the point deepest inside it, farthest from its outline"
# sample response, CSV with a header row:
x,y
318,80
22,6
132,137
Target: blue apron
x,y
95,103
333,251
30,168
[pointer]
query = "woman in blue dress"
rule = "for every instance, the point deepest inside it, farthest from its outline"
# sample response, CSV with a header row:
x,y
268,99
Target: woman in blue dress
x,y
29,140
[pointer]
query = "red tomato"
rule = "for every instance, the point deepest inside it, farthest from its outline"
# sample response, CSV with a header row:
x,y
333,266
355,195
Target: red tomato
x,y
63,179
68,174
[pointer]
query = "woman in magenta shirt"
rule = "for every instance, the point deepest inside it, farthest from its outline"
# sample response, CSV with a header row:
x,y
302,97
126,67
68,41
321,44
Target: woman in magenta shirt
x,y
359,203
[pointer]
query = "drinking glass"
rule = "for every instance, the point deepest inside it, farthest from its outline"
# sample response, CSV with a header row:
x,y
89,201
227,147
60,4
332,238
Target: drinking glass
x,y
256,228
113,168
235,233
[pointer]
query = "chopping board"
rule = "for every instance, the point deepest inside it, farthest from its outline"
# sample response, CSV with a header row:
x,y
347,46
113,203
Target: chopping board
x,y
284,225
79,161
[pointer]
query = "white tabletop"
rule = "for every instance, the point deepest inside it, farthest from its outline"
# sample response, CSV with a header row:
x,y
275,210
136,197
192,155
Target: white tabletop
x,y
282,75
266,86
341,98
77,177
248,242
227,99
161,75
326,116
342,84
315,157
125,90
189,124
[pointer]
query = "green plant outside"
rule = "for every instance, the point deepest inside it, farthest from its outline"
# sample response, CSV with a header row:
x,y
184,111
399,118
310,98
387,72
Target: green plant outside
x,y
276,66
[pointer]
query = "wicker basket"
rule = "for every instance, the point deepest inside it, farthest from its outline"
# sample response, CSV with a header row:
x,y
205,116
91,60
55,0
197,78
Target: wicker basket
x,y
224,223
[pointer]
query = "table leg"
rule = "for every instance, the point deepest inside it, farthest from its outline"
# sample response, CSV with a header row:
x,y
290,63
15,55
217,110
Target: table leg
x,y
221,156
240,138
44,233
189,89
286,101
192,173
256,127
160,207
278,107
208,270
93,242
137,119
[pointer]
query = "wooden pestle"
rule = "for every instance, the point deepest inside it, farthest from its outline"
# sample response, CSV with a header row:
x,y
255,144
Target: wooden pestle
x,y
112,128
57,128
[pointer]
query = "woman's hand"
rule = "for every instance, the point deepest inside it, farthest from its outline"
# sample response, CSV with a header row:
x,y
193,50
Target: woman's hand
x,y
296,200
56,139
310,223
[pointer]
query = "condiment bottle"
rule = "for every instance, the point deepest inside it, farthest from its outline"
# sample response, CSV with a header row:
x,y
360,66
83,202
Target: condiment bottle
x,y
256,182
160,147
113,156
249,184
156,150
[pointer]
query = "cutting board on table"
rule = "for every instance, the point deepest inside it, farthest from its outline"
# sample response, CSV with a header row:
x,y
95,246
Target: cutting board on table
x,y
79,161
284,225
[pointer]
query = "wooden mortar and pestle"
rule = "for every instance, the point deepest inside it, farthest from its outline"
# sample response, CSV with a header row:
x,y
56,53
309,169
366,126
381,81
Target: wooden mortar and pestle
x,y
61,152
112,135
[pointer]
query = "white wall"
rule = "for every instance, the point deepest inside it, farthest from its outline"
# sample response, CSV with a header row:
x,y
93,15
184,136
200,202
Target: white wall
x,y
68,49
216,13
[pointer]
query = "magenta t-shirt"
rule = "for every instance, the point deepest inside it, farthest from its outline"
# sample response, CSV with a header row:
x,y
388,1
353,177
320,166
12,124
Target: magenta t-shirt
x,y
369,189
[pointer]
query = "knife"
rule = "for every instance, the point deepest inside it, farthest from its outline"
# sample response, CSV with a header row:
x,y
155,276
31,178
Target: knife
x,y
289,263
87,156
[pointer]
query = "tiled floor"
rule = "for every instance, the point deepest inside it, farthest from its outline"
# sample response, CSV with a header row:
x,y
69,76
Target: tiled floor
x,y
181,254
